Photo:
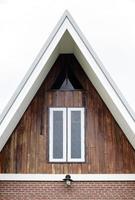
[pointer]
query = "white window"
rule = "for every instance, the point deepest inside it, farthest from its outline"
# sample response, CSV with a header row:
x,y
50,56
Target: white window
x,y
66,135
57,136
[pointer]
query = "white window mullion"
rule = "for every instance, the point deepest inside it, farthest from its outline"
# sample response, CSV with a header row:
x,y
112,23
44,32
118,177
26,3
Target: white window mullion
x,y
82,136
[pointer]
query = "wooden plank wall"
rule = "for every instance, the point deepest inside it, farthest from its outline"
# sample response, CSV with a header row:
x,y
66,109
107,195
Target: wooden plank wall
x,y
107,149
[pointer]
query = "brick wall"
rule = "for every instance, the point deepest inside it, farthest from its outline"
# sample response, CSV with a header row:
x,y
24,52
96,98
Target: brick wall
x,y
57,190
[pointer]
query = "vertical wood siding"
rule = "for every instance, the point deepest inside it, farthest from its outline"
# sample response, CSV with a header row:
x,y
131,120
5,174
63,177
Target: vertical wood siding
x,y
107,149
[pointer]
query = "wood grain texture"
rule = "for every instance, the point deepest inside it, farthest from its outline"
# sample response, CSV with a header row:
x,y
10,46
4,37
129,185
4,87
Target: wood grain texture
x,y
107,148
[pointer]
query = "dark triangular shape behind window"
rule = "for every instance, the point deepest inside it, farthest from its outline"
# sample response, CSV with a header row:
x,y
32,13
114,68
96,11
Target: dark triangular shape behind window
x,y
66,79
67,85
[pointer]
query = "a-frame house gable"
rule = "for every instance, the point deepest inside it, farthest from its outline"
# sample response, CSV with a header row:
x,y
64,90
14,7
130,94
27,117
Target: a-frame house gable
x,y
29,148
90,64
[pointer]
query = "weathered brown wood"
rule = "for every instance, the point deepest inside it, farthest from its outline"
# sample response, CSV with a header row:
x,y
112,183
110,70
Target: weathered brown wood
x,y
106,147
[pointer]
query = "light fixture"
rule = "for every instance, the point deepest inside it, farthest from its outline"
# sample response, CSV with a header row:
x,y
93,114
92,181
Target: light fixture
x,y
68,181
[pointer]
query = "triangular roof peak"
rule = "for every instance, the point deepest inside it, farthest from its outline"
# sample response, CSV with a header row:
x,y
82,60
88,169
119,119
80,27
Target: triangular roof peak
x,y
67,38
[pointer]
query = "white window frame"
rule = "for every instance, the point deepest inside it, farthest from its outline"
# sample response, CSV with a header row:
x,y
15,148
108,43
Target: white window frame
x,y
51,159
82,159
66,134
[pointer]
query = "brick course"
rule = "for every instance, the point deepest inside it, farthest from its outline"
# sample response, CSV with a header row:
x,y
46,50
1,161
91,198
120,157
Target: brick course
x,y
15,190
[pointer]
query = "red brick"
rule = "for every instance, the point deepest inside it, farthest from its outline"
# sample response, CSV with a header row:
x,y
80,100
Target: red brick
x,y
56,190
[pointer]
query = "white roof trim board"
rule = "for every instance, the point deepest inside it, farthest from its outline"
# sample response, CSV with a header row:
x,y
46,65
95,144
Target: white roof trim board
x,y
59,177
91,65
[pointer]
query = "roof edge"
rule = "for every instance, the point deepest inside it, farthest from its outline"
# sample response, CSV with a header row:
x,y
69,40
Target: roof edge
x,y
101,66
33,66
65,15
64,20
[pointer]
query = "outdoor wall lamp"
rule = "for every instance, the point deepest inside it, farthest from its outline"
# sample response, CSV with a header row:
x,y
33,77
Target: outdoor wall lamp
x,y
68,181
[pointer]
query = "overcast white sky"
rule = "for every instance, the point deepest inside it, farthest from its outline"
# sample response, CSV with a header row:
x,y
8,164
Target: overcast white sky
x,y
109,26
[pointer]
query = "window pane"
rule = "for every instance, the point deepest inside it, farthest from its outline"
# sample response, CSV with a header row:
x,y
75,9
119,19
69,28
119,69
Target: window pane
x,y
57,134
75,134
